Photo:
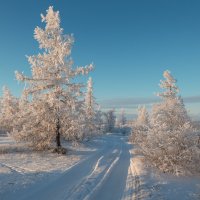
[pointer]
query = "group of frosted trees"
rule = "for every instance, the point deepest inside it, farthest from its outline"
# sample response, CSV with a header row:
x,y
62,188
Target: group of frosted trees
x,y
121,124
53,105
167,137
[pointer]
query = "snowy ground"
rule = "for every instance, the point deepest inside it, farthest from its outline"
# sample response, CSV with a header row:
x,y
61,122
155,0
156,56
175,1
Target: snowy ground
x,y
107,167
153,185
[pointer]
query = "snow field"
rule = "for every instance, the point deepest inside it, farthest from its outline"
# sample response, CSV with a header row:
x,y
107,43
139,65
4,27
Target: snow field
x,y
106,167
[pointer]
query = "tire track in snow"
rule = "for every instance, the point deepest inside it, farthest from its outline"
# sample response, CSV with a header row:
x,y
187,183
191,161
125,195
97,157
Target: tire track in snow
x,y
114,185
76,189
93,180
103,178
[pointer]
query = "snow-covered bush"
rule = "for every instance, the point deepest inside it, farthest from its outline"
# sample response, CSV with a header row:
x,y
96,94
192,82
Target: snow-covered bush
x,y
173,151
170,142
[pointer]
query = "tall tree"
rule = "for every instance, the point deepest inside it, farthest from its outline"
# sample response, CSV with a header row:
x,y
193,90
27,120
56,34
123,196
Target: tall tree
x,y
122,118
55,99
90,107
171,111
89,99
170,141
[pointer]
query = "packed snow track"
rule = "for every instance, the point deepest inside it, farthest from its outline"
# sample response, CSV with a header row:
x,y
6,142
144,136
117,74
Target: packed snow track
x,y
100,175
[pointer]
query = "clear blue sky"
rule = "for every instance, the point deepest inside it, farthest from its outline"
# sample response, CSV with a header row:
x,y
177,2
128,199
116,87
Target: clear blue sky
x,y
131,42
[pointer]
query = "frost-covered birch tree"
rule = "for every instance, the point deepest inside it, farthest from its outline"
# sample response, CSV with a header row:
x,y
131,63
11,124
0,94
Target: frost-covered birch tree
x,y
54,98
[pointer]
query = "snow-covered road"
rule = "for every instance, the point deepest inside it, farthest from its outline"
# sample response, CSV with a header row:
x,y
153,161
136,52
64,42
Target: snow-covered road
x,y
101,175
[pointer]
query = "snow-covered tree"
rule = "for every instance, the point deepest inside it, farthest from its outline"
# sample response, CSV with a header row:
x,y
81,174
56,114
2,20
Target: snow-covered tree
x,y
140,127
122,118
8,110
110,119
171,111
143,116
170,142
169,86
89,99
54,98
122,122
90,107
99,121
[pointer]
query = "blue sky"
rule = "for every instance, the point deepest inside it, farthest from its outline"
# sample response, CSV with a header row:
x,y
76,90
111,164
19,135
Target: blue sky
x,y
130,42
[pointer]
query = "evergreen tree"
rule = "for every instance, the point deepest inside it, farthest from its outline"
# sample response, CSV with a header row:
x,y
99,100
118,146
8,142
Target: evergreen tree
x,y
55,100
90,107
170,140
171,112
169,86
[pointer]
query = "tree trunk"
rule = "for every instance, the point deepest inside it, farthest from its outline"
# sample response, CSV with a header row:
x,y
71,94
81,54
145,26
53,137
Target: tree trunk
x,y
58,143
